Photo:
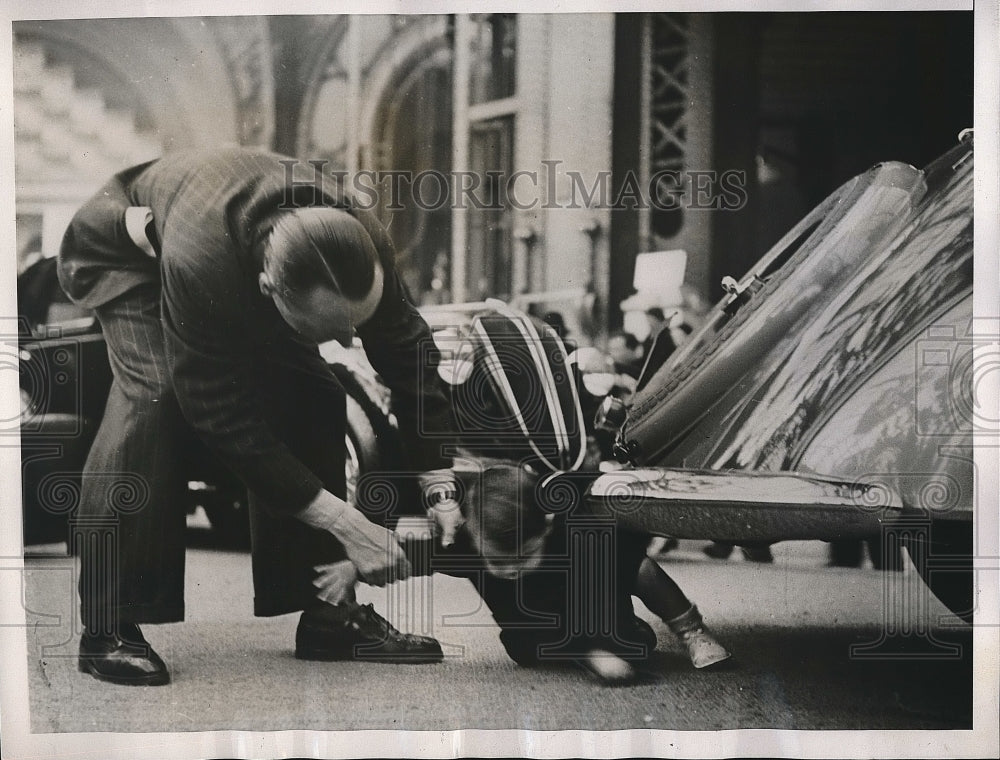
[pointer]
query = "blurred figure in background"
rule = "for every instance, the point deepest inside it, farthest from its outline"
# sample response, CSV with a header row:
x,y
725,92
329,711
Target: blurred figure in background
x,y
557,322
626,354
657,321
756,552
679,328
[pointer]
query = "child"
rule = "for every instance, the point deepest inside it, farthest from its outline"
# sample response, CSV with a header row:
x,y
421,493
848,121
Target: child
x,y
506,507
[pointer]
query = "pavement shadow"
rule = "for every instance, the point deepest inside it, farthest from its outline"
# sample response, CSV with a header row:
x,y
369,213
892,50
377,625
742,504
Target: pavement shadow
x,y
927,677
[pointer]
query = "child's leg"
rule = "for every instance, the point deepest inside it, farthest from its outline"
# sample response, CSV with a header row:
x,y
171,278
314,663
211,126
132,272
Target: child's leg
x,y
658,591
664,597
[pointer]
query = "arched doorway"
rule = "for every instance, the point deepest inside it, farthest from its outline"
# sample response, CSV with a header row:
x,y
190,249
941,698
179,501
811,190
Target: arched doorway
x,y
383,104
413,137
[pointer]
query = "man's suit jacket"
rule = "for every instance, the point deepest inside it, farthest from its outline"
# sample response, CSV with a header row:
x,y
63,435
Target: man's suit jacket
x,y
212,212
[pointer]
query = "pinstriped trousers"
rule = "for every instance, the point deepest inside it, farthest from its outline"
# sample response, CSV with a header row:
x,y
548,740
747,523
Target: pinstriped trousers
x,y
133,481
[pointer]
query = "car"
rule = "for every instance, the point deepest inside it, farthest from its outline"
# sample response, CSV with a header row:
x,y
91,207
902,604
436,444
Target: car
x,y
829,393
827,396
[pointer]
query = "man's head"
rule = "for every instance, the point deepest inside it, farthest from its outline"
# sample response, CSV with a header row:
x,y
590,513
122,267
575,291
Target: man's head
x,y
503,518
322,271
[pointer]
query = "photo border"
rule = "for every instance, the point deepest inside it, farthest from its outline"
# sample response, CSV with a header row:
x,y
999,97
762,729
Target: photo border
x,y
18,741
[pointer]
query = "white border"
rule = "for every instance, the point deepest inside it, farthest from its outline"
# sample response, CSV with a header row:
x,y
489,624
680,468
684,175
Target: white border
x,y
17,742
68,9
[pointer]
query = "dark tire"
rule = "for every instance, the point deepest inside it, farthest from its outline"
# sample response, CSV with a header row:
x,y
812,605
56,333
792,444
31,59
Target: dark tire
x,y
361,450
945,564
227,505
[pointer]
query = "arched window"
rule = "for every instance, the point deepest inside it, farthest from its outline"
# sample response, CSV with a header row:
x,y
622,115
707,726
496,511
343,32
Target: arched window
x,y
378,106
414,140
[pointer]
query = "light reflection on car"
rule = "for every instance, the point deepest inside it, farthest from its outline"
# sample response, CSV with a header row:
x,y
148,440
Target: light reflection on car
x,y
847,352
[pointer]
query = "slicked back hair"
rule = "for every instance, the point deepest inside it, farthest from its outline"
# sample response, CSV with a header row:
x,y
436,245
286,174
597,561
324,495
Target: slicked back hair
x,y
315,246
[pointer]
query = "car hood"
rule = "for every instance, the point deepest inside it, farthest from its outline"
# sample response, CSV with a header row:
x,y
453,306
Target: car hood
x,y
824,310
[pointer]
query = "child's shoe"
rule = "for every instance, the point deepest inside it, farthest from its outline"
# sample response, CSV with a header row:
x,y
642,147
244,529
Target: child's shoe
x,y
702,647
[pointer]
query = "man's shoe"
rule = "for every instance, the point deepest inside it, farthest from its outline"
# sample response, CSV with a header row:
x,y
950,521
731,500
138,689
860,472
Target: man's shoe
x,y
356,632
125,658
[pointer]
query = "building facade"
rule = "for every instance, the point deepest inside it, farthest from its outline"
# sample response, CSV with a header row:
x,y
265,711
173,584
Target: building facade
x,y
508,154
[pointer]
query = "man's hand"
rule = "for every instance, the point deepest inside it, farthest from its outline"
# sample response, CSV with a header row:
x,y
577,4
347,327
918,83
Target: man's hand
x,y
440,490
373,549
